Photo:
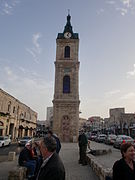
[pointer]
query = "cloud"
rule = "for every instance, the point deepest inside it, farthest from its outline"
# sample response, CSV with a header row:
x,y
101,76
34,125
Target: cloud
x,y
36,50
35,42
7,7
28,87
122,6
127,3
122,11
128,96
111,93
131,73
100,11
9,73
110,2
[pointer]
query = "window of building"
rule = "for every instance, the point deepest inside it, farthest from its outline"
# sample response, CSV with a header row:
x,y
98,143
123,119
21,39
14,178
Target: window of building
x,y
66,84
25,115
67,52
9,106
14,109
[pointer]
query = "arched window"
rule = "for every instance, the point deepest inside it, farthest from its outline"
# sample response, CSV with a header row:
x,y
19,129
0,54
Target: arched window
x,y
66,84
9,106
67,52
14,109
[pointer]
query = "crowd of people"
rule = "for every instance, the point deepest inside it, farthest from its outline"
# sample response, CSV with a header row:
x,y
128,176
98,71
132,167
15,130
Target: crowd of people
x,y
43,162
42,159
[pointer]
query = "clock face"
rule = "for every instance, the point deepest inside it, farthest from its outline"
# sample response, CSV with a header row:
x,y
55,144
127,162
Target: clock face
x,y
67,35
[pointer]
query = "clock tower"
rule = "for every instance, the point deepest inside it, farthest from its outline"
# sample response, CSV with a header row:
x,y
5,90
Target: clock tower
x,y
66,91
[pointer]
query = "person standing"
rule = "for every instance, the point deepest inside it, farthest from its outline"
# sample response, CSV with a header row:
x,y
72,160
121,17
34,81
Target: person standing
x,y
124,169
82,141
52,167
58,144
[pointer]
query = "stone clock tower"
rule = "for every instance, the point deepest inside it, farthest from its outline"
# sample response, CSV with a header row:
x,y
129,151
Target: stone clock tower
x,y
66,93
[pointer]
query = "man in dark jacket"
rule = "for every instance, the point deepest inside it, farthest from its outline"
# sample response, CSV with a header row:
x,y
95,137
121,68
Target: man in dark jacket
x,y
82,141
58,144
26,160
52,167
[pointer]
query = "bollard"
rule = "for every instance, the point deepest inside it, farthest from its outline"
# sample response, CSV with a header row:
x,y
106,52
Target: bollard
x,y
74,139
11,156
18,173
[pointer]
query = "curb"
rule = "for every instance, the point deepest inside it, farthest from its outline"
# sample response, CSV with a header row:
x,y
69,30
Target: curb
x,y
101,172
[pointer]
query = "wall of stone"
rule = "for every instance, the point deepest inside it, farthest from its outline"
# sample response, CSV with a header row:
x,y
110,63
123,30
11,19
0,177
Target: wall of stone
x,y
16,118
101,172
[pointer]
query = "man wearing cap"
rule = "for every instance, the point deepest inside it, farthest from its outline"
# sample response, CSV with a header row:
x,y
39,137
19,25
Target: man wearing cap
x,y
26,160
52,167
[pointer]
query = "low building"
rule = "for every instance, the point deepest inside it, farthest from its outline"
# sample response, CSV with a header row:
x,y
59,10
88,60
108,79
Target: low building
x,y
41,129
82,123
96,123
16,118
120,122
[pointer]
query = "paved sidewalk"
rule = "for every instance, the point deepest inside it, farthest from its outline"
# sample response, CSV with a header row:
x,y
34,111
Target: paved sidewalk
x,y
74,171
69,155
5,167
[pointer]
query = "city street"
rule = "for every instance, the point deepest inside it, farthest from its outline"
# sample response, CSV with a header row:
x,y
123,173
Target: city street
x,y
5,150
94,145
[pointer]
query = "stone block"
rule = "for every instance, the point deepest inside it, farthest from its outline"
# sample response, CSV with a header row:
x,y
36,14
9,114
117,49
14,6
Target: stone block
x,y
74,139
11,156
18,173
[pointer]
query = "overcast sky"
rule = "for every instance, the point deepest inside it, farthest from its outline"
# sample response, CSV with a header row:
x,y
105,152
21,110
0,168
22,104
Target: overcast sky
x,y
28,31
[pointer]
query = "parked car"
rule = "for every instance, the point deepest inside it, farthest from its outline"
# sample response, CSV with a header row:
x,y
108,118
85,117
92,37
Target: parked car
x,y
122,139
92,137
110,139
24,140
101,138
5,141
88,135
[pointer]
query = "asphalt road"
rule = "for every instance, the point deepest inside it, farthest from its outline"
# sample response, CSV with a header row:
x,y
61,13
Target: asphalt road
x,y
5,150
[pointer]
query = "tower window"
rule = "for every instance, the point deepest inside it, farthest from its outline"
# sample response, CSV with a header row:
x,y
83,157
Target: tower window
x,y
66,84
67,52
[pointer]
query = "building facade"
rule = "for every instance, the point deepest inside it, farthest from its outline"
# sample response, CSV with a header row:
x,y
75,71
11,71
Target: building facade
x,y
115,119
120,122
49,117
95,123
82,123
66,94
16,119
41,129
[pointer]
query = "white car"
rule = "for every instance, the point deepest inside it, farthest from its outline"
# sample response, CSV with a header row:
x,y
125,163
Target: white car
x,y
24,140
4,141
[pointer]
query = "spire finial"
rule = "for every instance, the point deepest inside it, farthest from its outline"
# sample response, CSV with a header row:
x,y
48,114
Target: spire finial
x,y
68,11
68,27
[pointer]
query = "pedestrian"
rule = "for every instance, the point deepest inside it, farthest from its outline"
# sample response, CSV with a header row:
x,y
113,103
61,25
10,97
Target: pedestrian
x,y
89,149
36,154
58,147
52,167
25,159
82,142
124,169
